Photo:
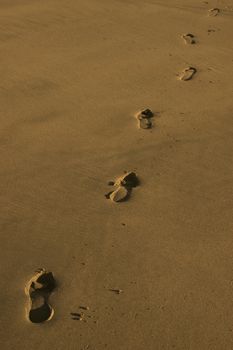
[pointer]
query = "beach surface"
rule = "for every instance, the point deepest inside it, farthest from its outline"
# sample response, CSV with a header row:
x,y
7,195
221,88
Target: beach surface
x,y
155,271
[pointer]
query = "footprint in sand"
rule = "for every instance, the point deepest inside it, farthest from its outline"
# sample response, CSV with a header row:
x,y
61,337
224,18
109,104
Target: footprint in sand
x,y
38,290
120,194
144,118
189,38
77,316
213,12
124,185
187,73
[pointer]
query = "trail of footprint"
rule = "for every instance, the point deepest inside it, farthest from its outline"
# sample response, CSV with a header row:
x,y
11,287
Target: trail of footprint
x,y
213,12
38,289
125,184
187,73
144,118
189,38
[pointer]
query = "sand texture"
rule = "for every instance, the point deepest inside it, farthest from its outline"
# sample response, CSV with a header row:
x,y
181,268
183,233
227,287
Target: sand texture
x,y
150,267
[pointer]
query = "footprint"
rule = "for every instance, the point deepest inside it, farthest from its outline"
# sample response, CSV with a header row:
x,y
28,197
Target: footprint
x,y
120,194
187,73
38,289
213,12
189,38
77,316
211,30
144,118
145,123
117,291
125,184
129,179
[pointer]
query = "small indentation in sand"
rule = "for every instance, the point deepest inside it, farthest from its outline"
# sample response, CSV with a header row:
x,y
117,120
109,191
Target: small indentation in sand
x,y
38,289
82,307
119,195
129,179
213,12
187,73
116,291
145,123
77,316
189,38
211,31
124,184
144,118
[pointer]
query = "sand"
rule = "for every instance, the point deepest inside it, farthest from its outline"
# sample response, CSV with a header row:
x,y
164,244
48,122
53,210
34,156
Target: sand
x,y
154,271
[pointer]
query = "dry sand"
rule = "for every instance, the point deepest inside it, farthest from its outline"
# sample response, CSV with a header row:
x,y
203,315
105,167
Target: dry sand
x,y
155,271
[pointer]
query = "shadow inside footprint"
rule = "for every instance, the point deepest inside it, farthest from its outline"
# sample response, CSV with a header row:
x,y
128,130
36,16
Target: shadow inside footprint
x,y
38,290
47,281
129,180
41,314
